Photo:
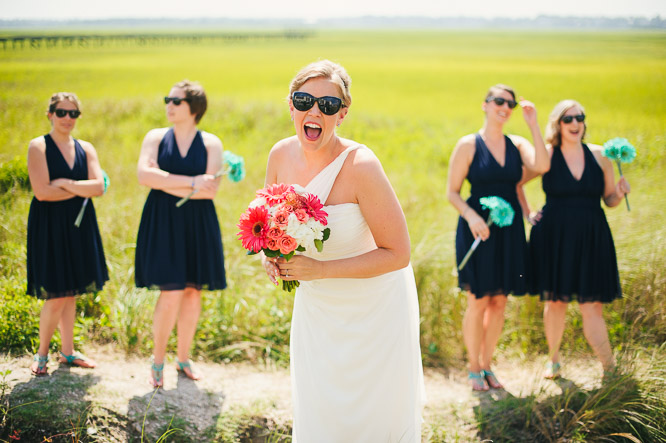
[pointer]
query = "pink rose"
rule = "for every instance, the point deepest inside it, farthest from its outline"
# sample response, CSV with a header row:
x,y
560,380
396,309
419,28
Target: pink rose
x,y
281,218
272,244
287,244
274,233
302,215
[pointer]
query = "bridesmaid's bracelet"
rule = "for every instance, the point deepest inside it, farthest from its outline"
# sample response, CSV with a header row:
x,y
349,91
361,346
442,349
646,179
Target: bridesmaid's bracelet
x,y
192,182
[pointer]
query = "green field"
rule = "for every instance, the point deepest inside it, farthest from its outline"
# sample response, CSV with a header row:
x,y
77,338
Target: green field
x,y
414,94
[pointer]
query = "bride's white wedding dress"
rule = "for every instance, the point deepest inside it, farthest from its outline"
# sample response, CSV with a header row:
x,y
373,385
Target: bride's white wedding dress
x,y
355,359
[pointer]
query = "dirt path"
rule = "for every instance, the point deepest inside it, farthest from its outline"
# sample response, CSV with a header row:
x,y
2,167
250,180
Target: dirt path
x,y
119,388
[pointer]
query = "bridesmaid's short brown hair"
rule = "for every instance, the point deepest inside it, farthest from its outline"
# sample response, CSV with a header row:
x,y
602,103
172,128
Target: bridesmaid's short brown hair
x,y
195,96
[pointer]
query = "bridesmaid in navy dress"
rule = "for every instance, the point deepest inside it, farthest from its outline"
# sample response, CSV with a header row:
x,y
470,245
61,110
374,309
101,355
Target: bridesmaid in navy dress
x,y
179,249
571,246
493,163
63,260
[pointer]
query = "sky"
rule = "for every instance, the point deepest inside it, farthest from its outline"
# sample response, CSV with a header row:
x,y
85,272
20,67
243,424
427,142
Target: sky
x,y
312,10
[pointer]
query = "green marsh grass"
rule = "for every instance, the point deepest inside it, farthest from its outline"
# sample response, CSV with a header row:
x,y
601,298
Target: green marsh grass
x,y
414,94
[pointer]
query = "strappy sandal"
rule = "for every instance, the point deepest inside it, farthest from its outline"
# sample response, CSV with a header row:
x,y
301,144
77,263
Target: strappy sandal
x,y
182,369
157,373
491,379
39,368
77,359
477,381
552,370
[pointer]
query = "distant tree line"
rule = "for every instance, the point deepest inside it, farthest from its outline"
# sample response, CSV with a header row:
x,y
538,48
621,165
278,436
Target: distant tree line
x,y
37,41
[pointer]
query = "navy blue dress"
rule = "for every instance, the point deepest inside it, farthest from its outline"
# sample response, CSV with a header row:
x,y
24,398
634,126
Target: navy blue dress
x,y
64,260
571,247
179,247
499,264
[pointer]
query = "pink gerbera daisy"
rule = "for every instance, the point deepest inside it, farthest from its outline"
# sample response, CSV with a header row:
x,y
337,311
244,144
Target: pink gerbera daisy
x,y
253,228
315,208
274,193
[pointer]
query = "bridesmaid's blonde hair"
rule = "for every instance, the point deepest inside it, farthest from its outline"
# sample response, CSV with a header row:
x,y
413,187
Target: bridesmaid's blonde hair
x,y
553,133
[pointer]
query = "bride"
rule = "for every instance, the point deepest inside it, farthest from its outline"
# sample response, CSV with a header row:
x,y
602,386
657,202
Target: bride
x,y
355,357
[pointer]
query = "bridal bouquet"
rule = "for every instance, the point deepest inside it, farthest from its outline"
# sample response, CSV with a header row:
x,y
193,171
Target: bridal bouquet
x,y
233,167
79,217
282,220
501,214
620,150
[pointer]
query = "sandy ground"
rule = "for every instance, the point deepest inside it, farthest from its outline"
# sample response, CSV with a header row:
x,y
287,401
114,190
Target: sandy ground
x,y
120,385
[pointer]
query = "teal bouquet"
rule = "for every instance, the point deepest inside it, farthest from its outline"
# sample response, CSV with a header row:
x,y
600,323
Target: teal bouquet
x,y
79,217
233,166
620,150
501,214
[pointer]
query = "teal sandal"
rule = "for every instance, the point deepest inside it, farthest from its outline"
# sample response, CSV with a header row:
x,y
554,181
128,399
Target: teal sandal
x,y
478,381
78,359
491,379
182,366
157,373
39,367
552,370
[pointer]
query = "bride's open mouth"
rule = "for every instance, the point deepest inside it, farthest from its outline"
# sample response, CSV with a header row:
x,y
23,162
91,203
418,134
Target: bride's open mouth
x,y
312,131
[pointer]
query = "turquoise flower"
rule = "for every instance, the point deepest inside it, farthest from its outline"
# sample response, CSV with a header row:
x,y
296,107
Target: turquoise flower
x,y
501,212
107,180
619,149
232,165
235,165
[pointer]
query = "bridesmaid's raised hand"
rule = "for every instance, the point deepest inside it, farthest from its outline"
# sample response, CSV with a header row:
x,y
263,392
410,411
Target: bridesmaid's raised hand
x,y
529,111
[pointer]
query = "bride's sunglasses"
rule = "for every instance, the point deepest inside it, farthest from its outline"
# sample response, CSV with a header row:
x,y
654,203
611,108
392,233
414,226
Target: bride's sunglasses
x,y
580,118
327,105
499,101
176,100
73,113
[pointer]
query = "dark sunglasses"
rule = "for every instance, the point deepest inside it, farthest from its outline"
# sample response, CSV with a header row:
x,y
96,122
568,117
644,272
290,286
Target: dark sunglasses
x,y
580,118
328,105
499,101
73,113
176,100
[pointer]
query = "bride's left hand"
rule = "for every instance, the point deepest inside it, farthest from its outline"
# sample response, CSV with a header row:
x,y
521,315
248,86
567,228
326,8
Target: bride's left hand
x,y
300,268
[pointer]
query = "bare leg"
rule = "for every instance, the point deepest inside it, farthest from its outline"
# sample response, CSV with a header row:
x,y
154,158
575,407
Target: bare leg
x,y
67,320
190,309
554,315
164,319
473,329
493,323
594,328
67,325
48,321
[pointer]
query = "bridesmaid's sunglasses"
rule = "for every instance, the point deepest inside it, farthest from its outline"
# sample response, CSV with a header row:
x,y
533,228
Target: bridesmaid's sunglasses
x,y
176,100
327,105
73,113
580,118
499,101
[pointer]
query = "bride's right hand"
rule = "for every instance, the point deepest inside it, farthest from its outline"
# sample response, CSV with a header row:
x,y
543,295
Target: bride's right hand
x,y
271,268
